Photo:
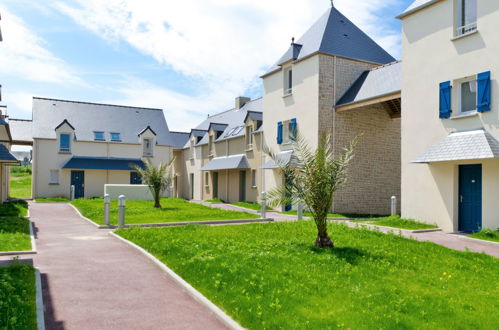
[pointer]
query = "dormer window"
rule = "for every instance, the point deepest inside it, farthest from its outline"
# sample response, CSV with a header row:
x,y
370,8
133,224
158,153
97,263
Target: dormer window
x,y
99,136
466,17
116,137
65,143
148,151
288,81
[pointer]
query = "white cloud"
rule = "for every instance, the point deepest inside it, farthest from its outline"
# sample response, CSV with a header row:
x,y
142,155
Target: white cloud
x,y
22,101
24,54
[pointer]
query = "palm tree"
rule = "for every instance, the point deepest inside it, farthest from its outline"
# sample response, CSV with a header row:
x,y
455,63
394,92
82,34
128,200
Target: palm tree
x,y
311,178
157,178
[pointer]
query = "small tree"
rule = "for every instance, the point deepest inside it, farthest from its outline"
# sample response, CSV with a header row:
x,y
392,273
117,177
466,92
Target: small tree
x,y
311,178
157,178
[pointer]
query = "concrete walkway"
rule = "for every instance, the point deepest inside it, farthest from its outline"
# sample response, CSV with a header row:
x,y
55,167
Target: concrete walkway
x,y
452,241
94,281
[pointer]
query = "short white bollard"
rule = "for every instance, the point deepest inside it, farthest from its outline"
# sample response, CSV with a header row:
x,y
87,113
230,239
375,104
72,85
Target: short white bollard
x,y
72,193
107,201
394,205
264,205
121,211
300,211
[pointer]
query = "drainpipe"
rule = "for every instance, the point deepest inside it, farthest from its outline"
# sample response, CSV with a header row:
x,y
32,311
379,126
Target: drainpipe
x,y
334,113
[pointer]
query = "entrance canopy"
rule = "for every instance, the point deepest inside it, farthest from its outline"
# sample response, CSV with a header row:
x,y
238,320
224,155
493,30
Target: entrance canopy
x,y
103,163
283,158
6,158
227,163
470,145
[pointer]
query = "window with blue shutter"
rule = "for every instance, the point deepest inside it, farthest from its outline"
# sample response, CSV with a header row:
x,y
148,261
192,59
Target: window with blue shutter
x,y
445,99
483,95
279,132
65,143
293,130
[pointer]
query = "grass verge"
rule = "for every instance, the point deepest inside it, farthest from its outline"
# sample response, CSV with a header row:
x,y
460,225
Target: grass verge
x,y
16,209
142,212
397,222
333,215
487,235
20,182
14,234
214,200
271,276
17,297
251,206
52,200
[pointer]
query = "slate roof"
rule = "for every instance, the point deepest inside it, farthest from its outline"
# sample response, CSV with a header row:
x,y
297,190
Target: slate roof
x,y
377,82
103,163
227,163
234,120
334,34
21,130
89,117
179,139
6,156
470,145
417,5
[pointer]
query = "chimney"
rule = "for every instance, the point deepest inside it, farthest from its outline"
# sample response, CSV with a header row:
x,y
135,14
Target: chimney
x,y
241,101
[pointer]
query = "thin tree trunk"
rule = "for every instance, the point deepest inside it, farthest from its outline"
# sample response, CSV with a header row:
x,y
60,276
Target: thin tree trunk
x,y
157,203
323,240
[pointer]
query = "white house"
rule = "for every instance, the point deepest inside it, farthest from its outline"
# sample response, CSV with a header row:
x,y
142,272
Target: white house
x,y
450,126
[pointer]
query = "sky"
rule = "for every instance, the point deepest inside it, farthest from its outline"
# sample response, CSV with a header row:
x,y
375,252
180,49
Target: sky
x,y
190,57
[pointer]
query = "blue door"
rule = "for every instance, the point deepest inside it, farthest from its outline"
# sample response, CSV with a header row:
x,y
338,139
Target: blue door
x,y
470,198
135,178
78,180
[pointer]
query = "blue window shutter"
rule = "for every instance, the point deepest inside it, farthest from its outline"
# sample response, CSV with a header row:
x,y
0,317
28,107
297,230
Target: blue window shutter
x,y
279,132
293,129
445,99
483,96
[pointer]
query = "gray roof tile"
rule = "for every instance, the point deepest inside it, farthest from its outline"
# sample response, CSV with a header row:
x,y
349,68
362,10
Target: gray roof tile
x,y
6,156
334,34
227,163
179,139
380,81
89,117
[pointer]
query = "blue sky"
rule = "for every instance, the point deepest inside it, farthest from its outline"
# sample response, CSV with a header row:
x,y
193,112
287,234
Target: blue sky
x,y
190,57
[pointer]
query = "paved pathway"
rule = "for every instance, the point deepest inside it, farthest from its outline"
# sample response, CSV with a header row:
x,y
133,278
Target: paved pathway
x,y
452,241
93,281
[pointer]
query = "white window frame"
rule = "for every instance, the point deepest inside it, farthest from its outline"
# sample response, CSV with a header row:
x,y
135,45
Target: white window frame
x,y
54,177
253,178
211,145
207,179
459,84
148,152
287,82
65,150
461,29
249,137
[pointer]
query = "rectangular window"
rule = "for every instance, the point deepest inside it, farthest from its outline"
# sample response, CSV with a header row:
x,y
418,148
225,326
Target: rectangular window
x,y
249,137
206,179
65,143
253,178
99,136
115,137
468,96
466,17
54,177
288,81
211,145
148,147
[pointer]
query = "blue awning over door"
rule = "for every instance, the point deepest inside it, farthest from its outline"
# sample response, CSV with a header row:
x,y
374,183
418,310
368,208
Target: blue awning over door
x,y
103,163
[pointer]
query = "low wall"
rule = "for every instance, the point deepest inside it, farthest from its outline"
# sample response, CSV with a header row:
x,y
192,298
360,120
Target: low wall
x,y
131,191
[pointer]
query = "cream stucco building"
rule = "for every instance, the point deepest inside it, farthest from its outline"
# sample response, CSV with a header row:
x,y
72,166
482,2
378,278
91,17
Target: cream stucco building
x,y
450,125
7,159
336,80
88,145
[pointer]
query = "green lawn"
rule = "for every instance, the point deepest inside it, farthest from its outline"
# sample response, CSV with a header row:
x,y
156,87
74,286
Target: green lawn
x,y
17,297
52,200
269,276
141,212
14,234
251,206
333,215
214,200
487,234
17,209
20,182
397,222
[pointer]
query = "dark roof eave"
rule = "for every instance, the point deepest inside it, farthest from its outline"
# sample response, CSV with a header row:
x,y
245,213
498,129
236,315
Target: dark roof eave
x,y
338,105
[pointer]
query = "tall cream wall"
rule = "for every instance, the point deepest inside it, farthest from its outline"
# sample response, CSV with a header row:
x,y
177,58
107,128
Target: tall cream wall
x,y
429,192
46,157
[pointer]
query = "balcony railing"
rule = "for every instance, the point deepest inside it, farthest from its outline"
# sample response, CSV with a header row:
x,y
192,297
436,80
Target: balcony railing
x,y
465,29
